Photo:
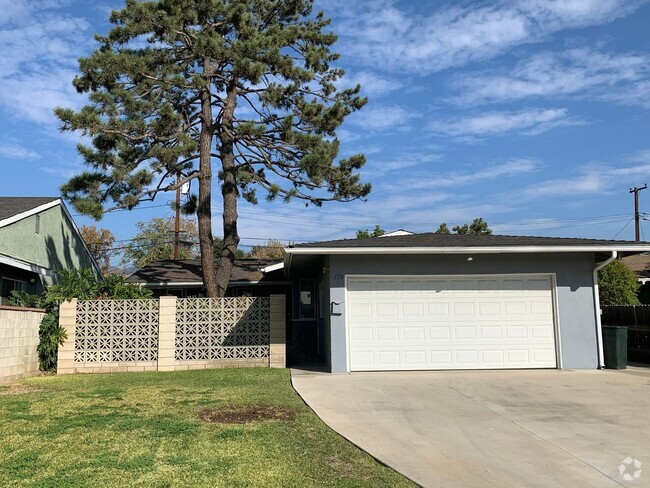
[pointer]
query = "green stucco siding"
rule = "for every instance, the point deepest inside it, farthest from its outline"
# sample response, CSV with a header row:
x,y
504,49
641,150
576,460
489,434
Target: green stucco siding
x,y
54,246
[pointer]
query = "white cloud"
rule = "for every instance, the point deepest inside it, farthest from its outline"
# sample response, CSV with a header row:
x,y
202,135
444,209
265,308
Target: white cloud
x,y
16,151
636,94
594,179
382,118
63,171
513,167
549,74
38,61
527,122
372,84
407,159
33,97
17,11
385,35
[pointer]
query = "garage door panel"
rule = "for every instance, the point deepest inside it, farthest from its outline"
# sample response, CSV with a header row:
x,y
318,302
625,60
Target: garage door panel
x,y
518,356
492,357
363,360
462,333
490,332
543,308
438,309
361,309
413,333
515,308
388,334
388,358
458,323
489,308
360,334
415,358
463,308
467,358
413,309
439,332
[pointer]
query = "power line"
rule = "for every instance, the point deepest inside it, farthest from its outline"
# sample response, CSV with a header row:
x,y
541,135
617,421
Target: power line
x,y
294,217
623,228
129,210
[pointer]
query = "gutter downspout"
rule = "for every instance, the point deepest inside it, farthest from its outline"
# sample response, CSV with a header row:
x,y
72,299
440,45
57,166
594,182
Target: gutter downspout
x,y
599,327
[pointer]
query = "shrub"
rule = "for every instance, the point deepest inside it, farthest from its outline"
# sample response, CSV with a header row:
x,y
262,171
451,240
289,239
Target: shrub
x,y
618,284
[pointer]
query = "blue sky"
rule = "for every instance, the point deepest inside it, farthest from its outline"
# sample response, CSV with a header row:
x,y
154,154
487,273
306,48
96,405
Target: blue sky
x,y
534,115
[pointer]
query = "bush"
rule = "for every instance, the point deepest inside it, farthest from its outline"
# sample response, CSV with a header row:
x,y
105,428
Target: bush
x,y
618,284
51,335
82,284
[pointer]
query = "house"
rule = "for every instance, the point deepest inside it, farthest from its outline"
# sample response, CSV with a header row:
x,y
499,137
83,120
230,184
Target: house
x,y
436,301
398,232
183,278
250,277
37,237
640,264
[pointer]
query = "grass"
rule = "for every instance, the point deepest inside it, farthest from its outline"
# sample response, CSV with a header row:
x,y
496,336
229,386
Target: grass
x,y
143,429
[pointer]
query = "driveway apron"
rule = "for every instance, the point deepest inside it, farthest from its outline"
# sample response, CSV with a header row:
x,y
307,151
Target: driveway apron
x,y
543,428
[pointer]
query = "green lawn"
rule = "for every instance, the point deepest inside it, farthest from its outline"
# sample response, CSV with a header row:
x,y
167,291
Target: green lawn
x,y
143,429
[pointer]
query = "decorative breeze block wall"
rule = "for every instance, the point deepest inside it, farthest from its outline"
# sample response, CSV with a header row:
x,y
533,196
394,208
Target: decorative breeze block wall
x,y
116,331
223,328
172,333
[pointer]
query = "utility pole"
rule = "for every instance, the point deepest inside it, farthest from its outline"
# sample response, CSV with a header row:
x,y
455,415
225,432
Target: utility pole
x,y
177,221
637,217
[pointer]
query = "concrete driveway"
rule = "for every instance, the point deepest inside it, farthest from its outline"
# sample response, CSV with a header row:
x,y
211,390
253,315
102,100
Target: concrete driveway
x,y
493,428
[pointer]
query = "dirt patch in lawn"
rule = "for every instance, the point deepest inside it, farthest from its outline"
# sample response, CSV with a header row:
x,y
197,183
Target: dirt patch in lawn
x,y
245,414
18,390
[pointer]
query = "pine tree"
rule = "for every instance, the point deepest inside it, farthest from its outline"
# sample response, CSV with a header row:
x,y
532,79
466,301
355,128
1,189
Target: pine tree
x,y
178,87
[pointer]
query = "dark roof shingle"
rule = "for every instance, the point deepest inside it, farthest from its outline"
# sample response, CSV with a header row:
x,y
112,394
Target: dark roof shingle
x,y
432,239
189,270
640,264
10,206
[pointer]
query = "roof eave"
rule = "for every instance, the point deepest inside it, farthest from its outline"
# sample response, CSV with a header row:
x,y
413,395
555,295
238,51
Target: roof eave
x,y
28,213
468,249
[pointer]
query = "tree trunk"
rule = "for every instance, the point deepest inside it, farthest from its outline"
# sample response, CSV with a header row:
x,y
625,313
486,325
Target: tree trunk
x,y
228,190
204,209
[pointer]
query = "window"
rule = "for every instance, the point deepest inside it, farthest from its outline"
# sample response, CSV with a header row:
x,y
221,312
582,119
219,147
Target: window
x,y
9,285
37,224
307,305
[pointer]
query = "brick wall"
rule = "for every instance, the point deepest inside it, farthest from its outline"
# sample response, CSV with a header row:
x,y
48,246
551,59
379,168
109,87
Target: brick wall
x,y
18,342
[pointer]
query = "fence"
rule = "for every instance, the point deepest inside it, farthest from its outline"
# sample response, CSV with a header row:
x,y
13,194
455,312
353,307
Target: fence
x,y
637,319
172,333
18,342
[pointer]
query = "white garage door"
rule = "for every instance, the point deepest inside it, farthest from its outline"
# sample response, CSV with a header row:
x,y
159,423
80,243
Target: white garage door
x,y
429,322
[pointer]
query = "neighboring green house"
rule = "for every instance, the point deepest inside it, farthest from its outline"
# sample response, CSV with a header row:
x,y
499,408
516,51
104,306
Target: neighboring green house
x,y
37,237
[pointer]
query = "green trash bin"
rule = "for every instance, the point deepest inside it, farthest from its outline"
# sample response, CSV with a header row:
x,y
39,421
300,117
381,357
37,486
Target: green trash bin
x,y
615,346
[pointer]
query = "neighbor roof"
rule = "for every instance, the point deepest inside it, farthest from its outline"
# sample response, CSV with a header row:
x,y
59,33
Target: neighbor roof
x,y
640,264
188,271
12,206
432,243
